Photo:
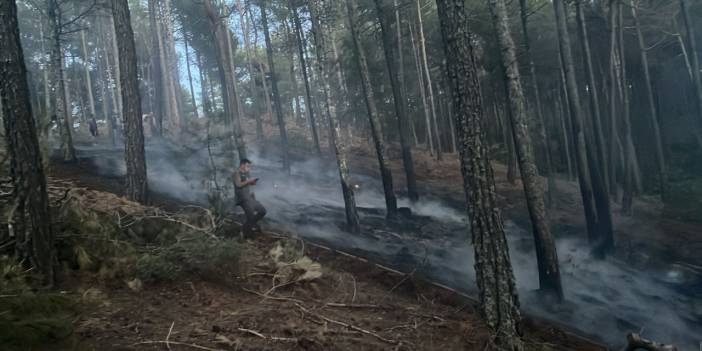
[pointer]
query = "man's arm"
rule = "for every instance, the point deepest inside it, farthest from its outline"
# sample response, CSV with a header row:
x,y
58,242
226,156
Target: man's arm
x,y
242,183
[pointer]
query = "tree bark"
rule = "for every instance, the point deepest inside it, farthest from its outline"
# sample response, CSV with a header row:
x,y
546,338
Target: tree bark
x,y
697,77
206,103
400,102
190,76
323,21
420,80
547,171
576,115
375,124
88,80
658,140
427,76
58,86
160,106
596,159
31,223
274,88
303,63
630,169
249,65
137,186
116,59
226,76
499,302
549,273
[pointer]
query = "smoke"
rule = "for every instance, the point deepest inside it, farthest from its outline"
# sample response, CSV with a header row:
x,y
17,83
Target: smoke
x,y
605,299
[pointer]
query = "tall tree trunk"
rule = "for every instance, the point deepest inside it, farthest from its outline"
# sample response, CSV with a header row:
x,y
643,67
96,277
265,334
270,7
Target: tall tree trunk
x,y
160,105
375,124
697,76
137,186
547,171
293,76
562,115
58,86
204,95
274,87
111,123
171,65
116,59
31,217
630,154
190,76
549,274
499,302
264,83
303,63
658,140
249,65
323,20
226,76
576,115
596,158
427,76
420,80
400,102
593,91
88,81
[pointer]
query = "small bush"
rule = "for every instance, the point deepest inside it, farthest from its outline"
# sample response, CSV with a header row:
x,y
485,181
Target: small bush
x,y
28,318
209,258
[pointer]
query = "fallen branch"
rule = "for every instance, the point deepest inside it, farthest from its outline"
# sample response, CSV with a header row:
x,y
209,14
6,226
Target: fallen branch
x,y
348,326
279,298
346,305
635,342
275,338
195,346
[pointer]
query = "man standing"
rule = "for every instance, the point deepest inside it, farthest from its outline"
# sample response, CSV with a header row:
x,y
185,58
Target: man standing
x,y
243,191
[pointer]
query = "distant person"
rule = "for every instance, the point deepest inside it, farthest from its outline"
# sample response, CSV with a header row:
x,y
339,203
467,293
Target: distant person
x,y
92,125
243,191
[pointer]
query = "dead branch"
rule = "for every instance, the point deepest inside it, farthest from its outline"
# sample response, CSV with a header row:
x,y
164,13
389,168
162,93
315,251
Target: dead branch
x,y
194,346
345,305
635,342
258,334
278,298
348,326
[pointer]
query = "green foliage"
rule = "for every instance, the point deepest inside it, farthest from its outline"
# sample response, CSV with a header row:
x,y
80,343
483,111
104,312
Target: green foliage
x,y
28,318
211,259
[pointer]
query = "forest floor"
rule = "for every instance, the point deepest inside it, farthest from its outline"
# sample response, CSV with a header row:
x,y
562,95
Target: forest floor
x,y
348,304
355,305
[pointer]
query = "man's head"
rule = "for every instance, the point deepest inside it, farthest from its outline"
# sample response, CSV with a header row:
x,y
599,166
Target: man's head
x,y
245,165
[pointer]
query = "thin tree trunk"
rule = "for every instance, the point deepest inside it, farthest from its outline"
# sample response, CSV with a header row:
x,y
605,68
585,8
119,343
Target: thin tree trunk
x,y
249,65
303,63
375,124
427,76
293,76
137,186
190,76
274,87
226,75
499,302
171,66
576,115
111,123
322,24
547,171
400,102
420,80
30,221
549,273
629,170
160,105
562,115
658,140
204,95
697,77
116,59
596,158
88,81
